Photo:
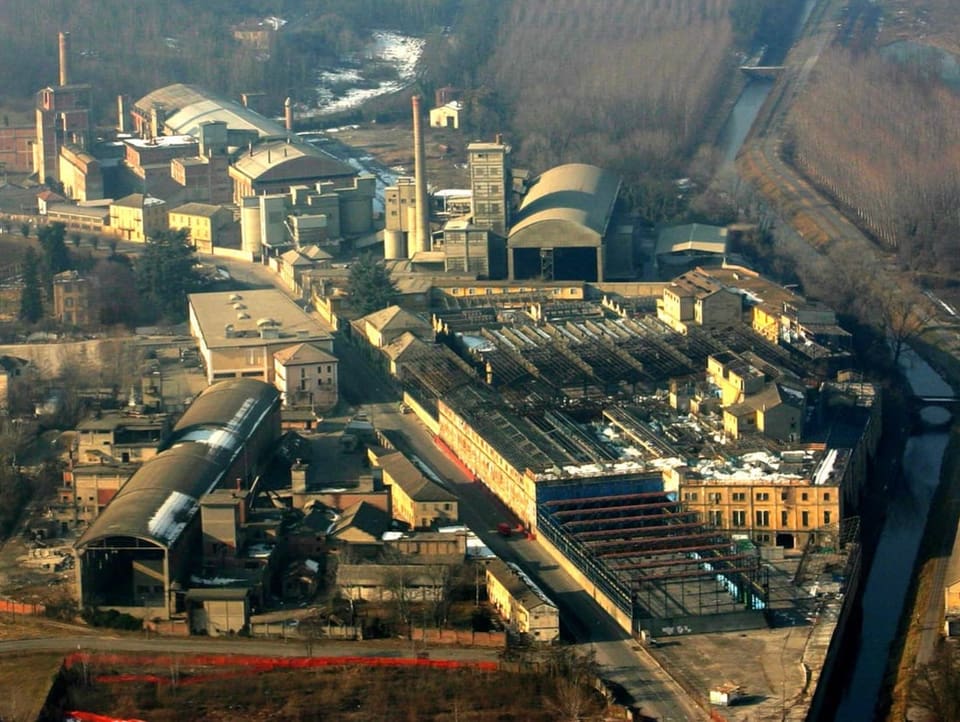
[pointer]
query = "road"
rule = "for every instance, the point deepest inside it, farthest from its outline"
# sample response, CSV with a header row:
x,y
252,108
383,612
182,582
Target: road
x,y
623,660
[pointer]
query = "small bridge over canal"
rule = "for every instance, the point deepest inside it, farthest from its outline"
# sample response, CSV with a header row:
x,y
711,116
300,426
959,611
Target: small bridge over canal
x,y
767,72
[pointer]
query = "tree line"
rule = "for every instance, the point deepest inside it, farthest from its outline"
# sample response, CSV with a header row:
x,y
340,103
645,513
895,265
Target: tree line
x,y
882,139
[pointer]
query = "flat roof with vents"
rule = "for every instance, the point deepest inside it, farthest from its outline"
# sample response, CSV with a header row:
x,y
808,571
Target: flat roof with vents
x,y
230,319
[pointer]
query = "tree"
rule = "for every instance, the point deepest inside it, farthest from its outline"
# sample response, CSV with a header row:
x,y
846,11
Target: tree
x,y
56,257
370,285
25,229
903,316
165,275
31,298
936,688
116,287
75,239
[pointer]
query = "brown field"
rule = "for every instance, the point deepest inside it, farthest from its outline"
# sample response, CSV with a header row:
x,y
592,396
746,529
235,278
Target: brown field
x,y
345,694
934,22
25,681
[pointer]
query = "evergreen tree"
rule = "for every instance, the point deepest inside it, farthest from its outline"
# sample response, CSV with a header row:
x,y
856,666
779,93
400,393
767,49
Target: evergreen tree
x,y
370,286
165,275
31,301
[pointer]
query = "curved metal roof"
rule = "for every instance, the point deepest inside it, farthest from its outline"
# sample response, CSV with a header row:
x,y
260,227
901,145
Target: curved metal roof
x,y
575,193
187,106
164,494
281,160
234,406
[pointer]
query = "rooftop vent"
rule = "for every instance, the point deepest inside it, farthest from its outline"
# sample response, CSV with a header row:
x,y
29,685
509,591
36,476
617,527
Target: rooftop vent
x,y
235,297
228,330
243,316
266,321
237,306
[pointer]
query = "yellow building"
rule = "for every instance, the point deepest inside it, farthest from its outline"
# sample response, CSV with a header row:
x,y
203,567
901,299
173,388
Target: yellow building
x,y
447,116
382,327
210,226
74,299
774,499
415,499
695,299
521,603
137,217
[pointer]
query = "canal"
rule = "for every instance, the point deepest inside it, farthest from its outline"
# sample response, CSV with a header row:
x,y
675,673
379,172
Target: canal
x,y
889,577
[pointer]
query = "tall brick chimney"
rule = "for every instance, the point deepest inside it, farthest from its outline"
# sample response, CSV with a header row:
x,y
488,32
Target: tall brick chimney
x,y
421,241
64,58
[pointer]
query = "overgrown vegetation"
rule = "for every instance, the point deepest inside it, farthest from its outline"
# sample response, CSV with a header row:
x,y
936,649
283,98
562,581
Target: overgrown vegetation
x,y
347,694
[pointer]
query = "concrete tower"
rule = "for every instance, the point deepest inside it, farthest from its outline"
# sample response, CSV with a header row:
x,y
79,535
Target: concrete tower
x,y
421,238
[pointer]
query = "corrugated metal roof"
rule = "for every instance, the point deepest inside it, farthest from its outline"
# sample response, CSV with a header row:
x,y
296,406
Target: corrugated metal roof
x,y
163,495
576,193
188,106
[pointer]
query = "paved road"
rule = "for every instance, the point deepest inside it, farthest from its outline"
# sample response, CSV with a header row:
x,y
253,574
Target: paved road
x,y
623,660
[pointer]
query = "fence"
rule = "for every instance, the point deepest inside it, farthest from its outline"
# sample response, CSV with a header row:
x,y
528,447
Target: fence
x,y
11,607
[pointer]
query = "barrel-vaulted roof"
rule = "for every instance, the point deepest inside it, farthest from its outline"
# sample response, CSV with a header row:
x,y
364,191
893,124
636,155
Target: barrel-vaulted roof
x,y
577,196
283,161
186,107
163,495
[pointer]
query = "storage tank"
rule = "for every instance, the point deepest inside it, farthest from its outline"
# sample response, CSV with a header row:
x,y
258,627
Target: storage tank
x,y
252,241
394,245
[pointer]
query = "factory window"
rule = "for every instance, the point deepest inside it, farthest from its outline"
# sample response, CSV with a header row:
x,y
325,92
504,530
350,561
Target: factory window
x,y
763,518
784,518
739,496
805,518
826,517
804,496
784,496
739,518
715,518
690,496
715,497
763,496
826,496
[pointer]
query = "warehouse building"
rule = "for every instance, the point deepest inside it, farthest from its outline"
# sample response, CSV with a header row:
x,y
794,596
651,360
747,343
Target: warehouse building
x,y
559,231
137,556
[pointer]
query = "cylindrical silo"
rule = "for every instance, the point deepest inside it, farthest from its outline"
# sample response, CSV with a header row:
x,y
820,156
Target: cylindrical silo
x,y
394,245
252,241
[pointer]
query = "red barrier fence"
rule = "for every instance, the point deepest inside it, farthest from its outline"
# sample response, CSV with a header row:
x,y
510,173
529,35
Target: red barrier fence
x,y
245,665
11,607
81,716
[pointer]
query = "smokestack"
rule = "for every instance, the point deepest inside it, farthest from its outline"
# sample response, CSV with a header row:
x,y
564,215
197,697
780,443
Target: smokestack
x,y
64,58
121,114
288,114
422,239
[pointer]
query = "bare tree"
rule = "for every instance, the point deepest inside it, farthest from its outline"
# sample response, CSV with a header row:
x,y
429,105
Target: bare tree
x,y
936,686
904,316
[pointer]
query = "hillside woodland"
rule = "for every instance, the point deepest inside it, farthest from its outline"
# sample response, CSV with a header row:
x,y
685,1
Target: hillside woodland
x,y
133,47
882,138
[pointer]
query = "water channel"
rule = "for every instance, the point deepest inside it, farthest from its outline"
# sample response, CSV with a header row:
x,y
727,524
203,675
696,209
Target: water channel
x,y
908,499
893,562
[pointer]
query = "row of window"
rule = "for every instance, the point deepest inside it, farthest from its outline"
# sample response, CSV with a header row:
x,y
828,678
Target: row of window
x,y
716,497
738,518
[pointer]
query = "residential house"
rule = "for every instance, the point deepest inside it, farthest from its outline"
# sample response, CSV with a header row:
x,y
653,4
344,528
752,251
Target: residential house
x,y
210,226
137,217
306,375
526,609
416,499
383,326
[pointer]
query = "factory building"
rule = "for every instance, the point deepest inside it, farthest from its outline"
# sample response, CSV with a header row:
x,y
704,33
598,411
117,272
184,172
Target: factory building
x,y
560,228
62,118
138,554
239,332
277,166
